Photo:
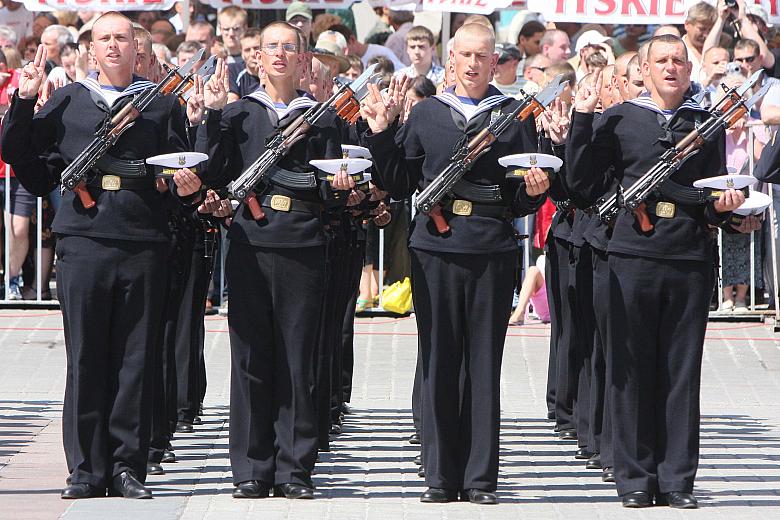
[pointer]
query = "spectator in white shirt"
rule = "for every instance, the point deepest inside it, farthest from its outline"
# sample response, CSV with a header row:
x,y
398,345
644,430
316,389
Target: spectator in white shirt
x,y
419,49
366,51
698,24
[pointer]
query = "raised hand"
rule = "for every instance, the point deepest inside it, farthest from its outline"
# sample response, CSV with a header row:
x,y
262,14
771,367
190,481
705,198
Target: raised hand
x,y
555,121
215,92
374,110
195,103
32,75
355,197
186,182
536,182
749,224
395,99
588,95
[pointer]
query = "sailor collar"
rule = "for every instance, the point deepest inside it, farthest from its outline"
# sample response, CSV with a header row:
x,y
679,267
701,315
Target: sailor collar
x,y
304,101
138,84
645,101
492,98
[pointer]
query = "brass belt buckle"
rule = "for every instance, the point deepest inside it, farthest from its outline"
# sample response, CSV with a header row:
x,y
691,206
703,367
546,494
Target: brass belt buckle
x,y
110,182
665,209
462,207
281,203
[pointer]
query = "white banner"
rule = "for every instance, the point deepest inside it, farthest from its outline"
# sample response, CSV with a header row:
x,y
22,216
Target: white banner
x,y
454,6
98,5
465,6
279,4
628,11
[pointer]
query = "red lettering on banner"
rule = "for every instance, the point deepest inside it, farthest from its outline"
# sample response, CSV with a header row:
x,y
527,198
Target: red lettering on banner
x,y
638,7
670,8
609,7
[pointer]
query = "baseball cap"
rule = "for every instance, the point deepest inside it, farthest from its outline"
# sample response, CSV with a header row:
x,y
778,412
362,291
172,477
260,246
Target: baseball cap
x,y
298,9
758,11
508,52
590,38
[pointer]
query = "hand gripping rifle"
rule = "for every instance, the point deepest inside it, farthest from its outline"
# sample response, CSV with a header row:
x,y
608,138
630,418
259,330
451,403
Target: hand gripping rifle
x,y
75,175
723,115
345,103
428,201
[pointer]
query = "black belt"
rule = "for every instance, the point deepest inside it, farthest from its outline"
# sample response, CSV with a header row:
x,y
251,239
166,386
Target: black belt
x,y
467,208
283,203
116,183
666,209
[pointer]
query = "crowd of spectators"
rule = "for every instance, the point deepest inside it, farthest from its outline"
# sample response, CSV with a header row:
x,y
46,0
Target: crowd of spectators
x,y
725,45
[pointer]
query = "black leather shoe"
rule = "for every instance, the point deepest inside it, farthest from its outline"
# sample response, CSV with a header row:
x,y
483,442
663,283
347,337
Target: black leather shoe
x,y
418,460
414,438
335,429
551,415
677,500
251,489
583,454
637,499
126,485
478,496
184,427
421,472
168,457
197,420
567,435
608,475
293,491
152,468
438,496
594,462
345,409
76,491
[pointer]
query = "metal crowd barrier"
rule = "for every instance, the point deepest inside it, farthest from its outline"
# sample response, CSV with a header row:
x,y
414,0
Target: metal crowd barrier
x,y
754,313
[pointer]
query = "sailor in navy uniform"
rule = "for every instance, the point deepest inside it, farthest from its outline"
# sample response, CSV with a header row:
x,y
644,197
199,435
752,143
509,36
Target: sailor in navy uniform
x,y
275,270
462,280
660,280
110,267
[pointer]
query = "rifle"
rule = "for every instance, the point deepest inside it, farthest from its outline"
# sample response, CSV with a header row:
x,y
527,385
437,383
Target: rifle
x,y
723,115
467,154
75,175
187,81
345,103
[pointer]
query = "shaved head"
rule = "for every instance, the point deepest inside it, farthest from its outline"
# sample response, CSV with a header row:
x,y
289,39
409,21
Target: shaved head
x,y
473,31
111,16
621,63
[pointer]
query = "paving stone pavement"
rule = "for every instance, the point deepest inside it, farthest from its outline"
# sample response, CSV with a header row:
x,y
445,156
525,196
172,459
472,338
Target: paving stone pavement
x,y
369,474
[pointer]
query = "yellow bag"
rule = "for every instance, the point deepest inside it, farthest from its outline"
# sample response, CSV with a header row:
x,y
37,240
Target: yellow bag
x,y
397,298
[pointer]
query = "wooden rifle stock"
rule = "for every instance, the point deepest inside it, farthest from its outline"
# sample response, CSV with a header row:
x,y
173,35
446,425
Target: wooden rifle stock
x,y
84,196
640,213
254,206
438,219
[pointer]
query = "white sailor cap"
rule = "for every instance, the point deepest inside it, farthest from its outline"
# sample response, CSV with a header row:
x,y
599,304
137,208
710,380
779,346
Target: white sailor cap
x,y
755,204
170,162
518,165
353,167
726,182
352,151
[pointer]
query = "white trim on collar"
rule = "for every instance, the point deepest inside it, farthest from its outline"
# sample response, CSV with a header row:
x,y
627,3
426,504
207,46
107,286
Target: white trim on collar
x,y
135,87
648,103
298,103
451,100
